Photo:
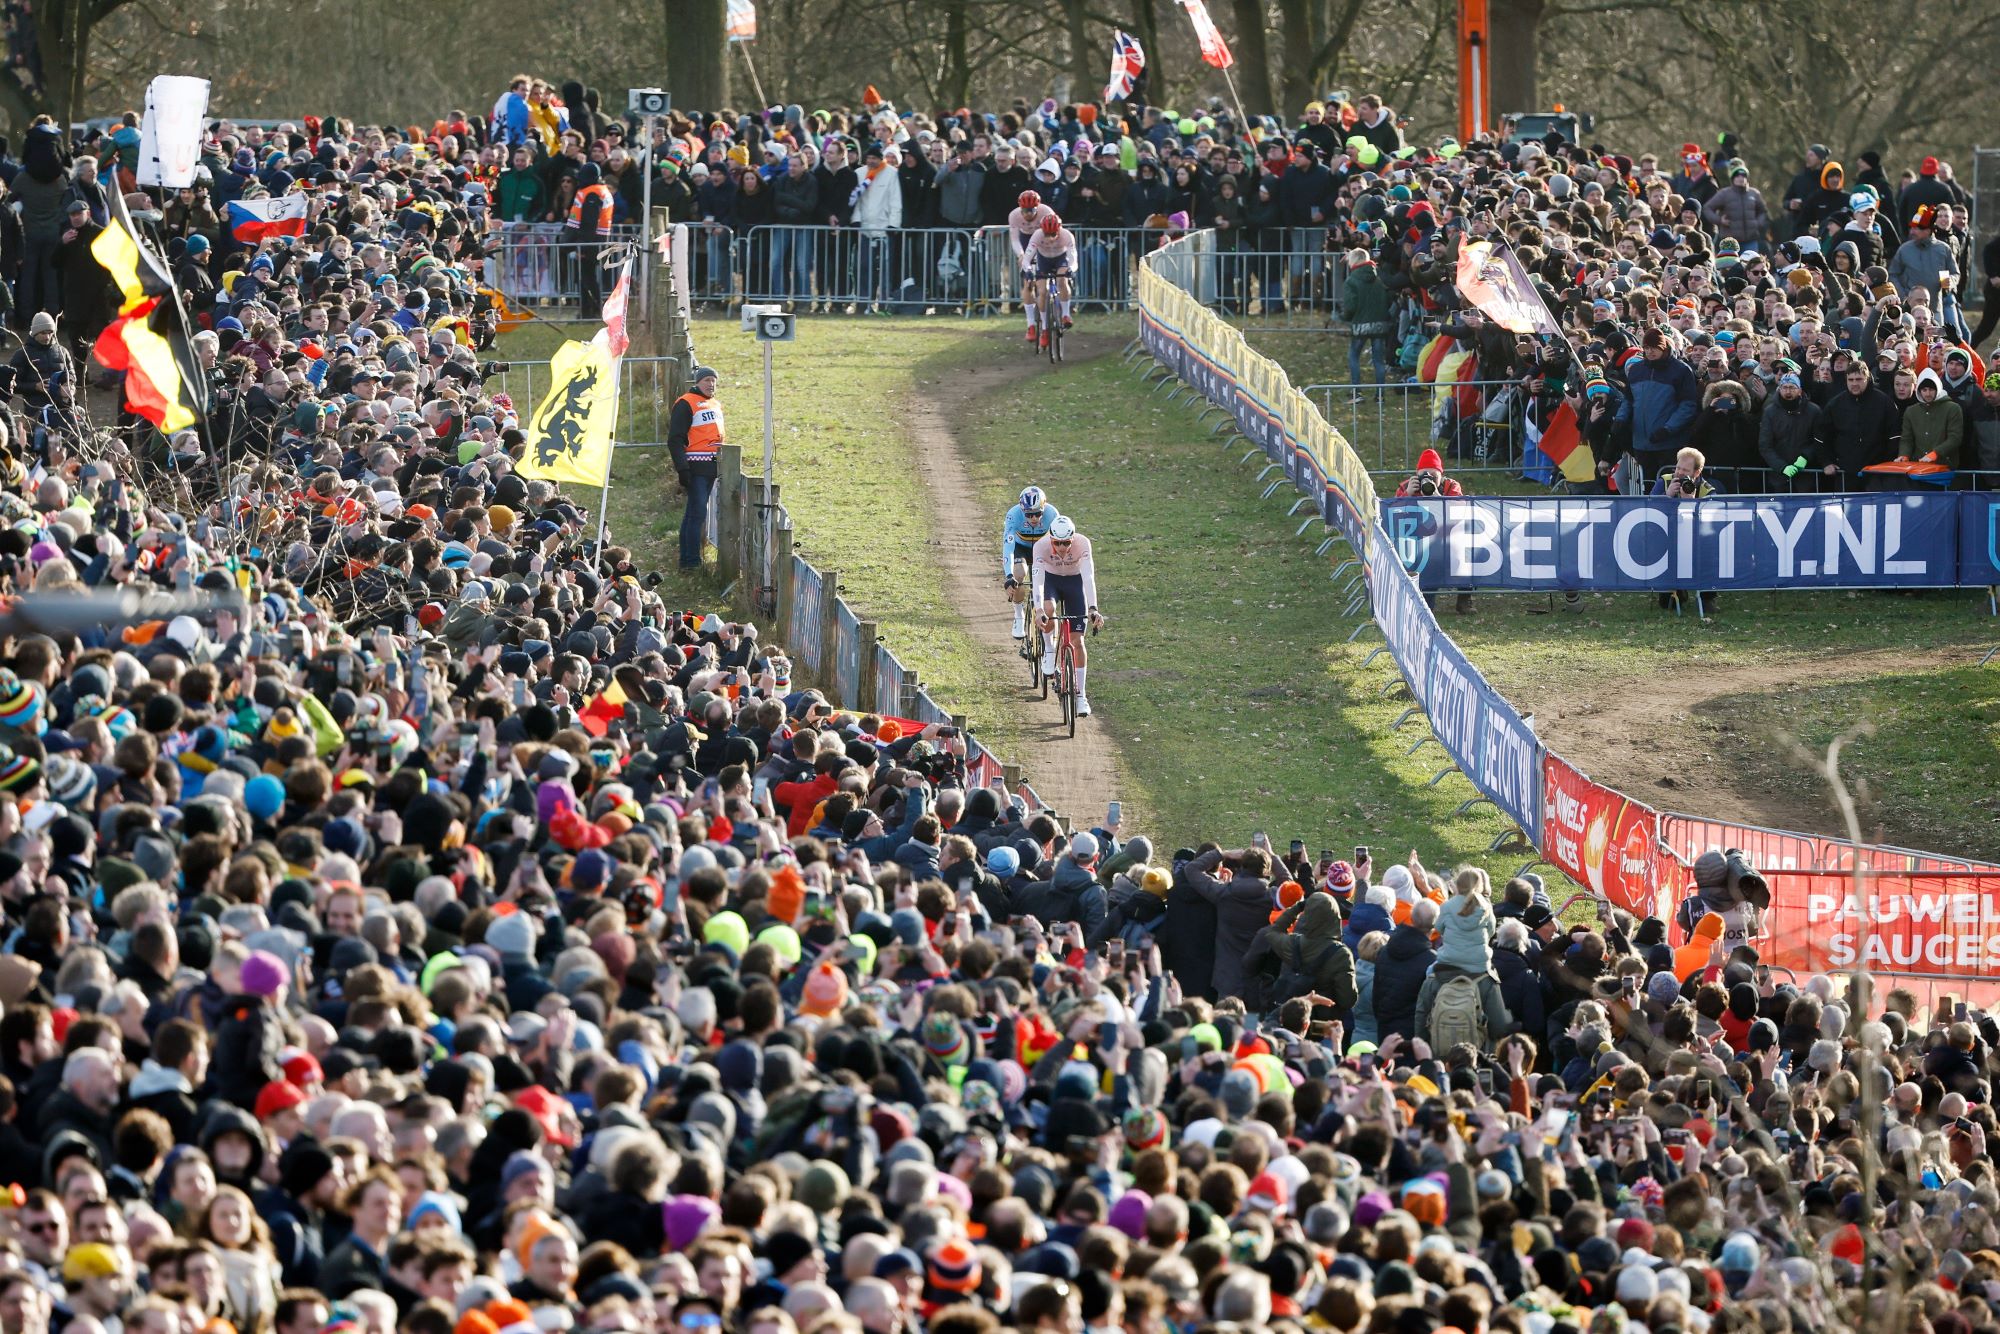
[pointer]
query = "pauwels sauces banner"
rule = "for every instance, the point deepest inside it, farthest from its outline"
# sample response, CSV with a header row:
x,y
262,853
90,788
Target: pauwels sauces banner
x,y
1899,923
1602,839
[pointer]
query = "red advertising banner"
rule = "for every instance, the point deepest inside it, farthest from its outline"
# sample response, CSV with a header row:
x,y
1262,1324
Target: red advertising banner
x,y
1782,850
1603,840
1933,931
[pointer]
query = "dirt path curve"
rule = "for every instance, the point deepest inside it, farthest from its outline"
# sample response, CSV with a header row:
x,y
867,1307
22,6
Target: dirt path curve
x,y
1665,738
1076,776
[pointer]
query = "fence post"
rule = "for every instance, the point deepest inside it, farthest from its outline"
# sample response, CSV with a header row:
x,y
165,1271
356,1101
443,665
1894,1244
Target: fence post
x,y
866,688
829,632
1010,774
781,576
729,513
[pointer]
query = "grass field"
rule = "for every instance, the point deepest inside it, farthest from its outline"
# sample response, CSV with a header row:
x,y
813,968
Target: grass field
x,y
846,472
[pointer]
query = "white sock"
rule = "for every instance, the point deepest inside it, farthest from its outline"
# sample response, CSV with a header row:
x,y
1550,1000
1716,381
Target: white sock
x,y
1064,305
1031,317
1049,661
1081,672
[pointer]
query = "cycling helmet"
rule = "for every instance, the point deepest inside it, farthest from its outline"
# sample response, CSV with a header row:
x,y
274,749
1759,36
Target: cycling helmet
x,y
1051,224
1062,530
1029,201
1032,499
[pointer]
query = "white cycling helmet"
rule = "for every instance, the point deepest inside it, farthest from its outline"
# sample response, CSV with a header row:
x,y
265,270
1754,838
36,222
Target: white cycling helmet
x,y
1062,530
1033,499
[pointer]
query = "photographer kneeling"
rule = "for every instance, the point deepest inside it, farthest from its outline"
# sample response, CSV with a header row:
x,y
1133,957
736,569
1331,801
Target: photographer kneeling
x,y
1686,481
1429,480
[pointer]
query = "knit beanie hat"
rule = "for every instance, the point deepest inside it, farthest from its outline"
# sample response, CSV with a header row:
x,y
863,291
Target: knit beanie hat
x,y
263,974
825,992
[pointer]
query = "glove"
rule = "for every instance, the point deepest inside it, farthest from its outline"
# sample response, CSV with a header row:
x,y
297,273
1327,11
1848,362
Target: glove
x,y
1796,466
1012,583
1930,457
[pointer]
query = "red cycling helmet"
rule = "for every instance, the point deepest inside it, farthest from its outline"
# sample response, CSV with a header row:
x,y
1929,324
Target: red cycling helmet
x,y
1029,201
1051,225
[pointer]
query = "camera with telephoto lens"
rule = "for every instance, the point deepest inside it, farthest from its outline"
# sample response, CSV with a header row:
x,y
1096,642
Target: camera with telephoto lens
x,y
1746,880
1685,486
1427,486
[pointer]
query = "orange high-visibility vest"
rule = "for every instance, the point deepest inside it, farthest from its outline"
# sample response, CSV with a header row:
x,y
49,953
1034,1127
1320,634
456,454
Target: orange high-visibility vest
x,y
603,195
705,431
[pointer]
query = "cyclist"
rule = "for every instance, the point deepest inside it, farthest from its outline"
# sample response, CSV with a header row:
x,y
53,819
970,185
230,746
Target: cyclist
x,y
1052,254
1064,578
1022,225
1026,523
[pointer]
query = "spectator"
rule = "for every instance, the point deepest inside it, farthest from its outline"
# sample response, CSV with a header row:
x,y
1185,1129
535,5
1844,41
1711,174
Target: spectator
x,y
1861,428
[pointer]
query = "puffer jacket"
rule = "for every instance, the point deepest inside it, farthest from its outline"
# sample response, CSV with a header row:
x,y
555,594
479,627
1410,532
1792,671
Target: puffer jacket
x,y
795,199
1665,401
1738,211
1789,431
1400,971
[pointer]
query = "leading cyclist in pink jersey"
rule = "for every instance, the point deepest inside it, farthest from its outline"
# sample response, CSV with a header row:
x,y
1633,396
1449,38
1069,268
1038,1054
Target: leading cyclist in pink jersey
x,y
1065,580
1050,258
1022,224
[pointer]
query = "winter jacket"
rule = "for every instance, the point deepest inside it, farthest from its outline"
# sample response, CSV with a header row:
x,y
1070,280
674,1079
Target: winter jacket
x,y
1933,428
1922,264
1305,944
1400,970
1861,430
1146,198
958,190
795,199
1665,400
1790,430
1521,992
1982,435
1187,946
521,194
1364,920
247,1048
1498,1020
1466,924
1924,190
1301,191
1364,301
167,1093
879,208
1242,909
1738,211
1072,894
1726,437
1365,1027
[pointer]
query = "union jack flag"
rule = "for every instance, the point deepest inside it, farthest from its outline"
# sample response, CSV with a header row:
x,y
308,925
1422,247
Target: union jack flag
x,y
1128,62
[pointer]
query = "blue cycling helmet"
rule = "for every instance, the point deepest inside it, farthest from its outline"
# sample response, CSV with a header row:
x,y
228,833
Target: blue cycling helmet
x,y
1033,499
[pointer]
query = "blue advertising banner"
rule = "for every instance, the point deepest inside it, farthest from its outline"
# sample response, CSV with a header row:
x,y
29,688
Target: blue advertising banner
x,y
1489,741
1979,539
1532,544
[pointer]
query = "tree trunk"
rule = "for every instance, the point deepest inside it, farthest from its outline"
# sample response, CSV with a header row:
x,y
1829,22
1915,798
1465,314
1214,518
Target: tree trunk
x,y
1516,39
1314,41
1146,27
955,83
1086,65
1253,58
697,55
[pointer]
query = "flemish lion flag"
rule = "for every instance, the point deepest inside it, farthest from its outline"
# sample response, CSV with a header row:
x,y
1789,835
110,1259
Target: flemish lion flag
x,y
1494,281
569,435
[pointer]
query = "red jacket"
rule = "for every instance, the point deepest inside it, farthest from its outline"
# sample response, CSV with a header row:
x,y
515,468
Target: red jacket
x,y
802,799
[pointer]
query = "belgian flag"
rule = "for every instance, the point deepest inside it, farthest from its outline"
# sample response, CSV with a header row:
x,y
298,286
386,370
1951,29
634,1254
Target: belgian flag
x,y
149,340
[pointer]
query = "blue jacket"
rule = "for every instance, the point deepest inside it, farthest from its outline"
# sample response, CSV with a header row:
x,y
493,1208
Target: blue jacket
x,y
1665,401
1367,917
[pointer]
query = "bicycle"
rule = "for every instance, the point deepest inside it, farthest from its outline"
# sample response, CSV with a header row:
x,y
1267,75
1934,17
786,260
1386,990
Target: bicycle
x,y
1051,303
1066,631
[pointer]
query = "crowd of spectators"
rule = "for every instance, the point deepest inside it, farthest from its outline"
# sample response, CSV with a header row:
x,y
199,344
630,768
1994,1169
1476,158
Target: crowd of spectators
x,y
427,927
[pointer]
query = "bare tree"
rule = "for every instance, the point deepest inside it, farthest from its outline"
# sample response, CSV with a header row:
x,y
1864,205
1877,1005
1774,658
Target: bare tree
x,y
698,52
1315,33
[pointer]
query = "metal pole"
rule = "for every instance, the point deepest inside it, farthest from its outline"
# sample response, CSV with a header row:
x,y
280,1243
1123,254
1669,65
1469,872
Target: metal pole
x,y
646,225
770,440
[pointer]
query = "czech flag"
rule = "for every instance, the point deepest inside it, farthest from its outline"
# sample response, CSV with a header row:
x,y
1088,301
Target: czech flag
x,y
251,220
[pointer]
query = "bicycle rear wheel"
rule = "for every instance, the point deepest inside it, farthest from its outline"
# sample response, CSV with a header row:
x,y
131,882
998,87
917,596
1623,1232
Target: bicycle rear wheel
x,y
1034,642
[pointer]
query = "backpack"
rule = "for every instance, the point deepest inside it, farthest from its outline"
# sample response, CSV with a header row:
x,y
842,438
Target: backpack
x,y
1458,1015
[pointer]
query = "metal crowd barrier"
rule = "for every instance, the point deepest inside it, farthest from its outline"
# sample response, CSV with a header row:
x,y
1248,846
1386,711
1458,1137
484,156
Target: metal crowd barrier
x,y
1389,423
534,265
909,271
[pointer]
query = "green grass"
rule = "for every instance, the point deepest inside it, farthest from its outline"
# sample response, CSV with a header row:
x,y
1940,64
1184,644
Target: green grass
x,y
1927,773
846,469
1223,675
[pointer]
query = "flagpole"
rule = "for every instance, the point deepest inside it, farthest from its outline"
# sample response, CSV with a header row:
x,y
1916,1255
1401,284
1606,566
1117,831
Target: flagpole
x,y
755,84
1242,120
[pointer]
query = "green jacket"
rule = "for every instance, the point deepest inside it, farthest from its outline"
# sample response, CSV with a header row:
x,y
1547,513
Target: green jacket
x,y
521,194
1364,301
1935,427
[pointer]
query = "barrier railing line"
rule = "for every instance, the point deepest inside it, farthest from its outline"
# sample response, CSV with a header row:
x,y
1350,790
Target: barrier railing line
x,y
1484,735
833,642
